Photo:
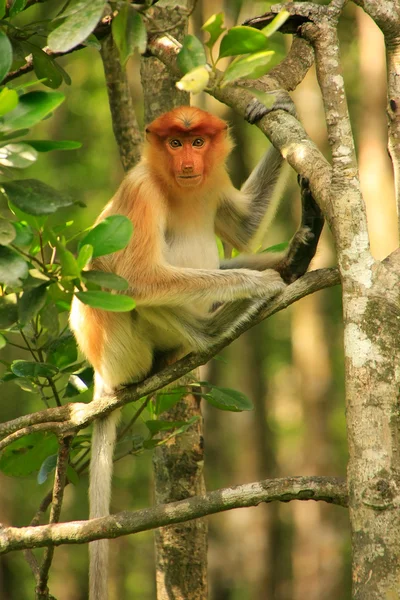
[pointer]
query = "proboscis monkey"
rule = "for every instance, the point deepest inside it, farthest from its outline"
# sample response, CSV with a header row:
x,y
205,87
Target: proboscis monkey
x,y
179,197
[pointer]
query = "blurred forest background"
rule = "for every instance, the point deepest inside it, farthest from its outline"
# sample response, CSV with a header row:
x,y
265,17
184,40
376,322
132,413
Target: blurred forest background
x,y
291,366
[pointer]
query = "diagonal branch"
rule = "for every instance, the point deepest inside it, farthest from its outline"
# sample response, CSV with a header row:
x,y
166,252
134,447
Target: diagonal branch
x,y
75,416
328,489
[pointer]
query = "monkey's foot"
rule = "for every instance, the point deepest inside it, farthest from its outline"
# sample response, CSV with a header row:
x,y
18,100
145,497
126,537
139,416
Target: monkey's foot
x,y
256,110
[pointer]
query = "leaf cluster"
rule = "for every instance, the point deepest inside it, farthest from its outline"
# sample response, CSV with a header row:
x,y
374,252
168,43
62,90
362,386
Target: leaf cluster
x,y
249,46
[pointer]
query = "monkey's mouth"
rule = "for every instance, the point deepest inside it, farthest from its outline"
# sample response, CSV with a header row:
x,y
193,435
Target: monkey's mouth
x,y
188,180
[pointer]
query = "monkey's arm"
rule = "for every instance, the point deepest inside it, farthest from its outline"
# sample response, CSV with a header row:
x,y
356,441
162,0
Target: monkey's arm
x,y
243,216
293,262
154,282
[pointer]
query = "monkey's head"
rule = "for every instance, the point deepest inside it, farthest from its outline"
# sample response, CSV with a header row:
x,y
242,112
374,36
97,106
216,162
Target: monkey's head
x,y
186,146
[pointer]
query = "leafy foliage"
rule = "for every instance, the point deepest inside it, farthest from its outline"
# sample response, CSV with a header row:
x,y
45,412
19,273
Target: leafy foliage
x,y
40,267
249,45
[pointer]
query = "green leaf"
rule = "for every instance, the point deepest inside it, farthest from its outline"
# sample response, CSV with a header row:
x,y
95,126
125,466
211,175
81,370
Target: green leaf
x,y
277,247
227,399
69,265
84,256
35,223
2,8
195,81
8,100
8,311
3,341
92,42
191,55
24,233
149,444
129,32
279,20
32,108
72,475
48,466
110,235
27,385
31,302
79,383
17,6
18,155
13,268
26,368
166,400
253,66
24,456
242,40
78,26
107,280
6,55
62,352
49,319
156,426
214,26
106,301
46,68
7,232
34,197
49,145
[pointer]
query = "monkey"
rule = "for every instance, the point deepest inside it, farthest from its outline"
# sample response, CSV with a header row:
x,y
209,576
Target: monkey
x,y
179,197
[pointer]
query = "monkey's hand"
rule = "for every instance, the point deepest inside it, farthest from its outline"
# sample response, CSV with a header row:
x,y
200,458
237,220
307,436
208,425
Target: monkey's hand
x,y
272,284
256,110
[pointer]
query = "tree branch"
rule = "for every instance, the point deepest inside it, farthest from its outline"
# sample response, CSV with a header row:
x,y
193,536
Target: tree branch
x,y
75,416
124,122
328,489
387,17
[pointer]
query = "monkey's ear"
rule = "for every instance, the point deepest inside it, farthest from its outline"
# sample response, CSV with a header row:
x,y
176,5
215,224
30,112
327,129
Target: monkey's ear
x,y
151,137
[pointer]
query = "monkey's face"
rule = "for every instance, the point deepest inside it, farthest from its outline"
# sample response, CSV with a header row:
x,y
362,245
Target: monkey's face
x,y
188,159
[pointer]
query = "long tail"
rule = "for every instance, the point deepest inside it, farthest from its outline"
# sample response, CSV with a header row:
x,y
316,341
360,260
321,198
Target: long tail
x,y
101,468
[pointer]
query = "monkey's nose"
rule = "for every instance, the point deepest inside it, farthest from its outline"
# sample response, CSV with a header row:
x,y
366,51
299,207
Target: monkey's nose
x,y
187,169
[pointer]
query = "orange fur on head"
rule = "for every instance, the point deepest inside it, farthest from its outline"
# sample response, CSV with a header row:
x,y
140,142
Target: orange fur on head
x,y
202,146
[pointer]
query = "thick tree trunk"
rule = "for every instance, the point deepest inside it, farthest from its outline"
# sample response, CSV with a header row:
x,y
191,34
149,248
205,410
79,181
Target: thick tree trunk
x,y
181,550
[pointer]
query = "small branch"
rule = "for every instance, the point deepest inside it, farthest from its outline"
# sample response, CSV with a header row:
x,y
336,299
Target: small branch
x,y
58,494
387,16
124,122
75,416
54,427
327,489
102,29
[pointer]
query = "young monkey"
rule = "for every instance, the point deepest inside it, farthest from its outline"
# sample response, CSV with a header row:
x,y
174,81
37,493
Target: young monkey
x,y
178,197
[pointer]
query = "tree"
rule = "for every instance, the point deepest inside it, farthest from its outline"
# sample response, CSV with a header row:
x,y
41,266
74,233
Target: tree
x,y
39,272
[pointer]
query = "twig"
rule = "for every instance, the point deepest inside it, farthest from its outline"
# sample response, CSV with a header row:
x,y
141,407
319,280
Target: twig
x,y
57,498
124,122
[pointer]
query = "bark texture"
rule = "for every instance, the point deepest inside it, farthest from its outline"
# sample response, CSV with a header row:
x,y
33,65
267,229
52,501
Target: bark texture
x,y
181,549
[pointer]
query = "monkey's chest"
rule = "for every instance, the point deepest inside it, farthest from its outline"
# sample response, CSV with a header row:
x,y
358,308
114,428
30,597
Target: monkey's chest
x,y
192,250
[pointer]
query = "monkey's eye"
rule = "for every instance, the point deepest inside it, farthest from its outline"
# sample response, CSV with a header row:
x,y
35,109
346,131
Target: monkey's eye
x,y
175,143
198,143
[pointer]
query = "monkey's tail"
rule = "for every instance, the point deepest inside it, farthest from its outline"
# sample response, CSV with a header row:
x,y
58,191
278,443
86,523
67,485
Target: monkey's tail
x,y
101,468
